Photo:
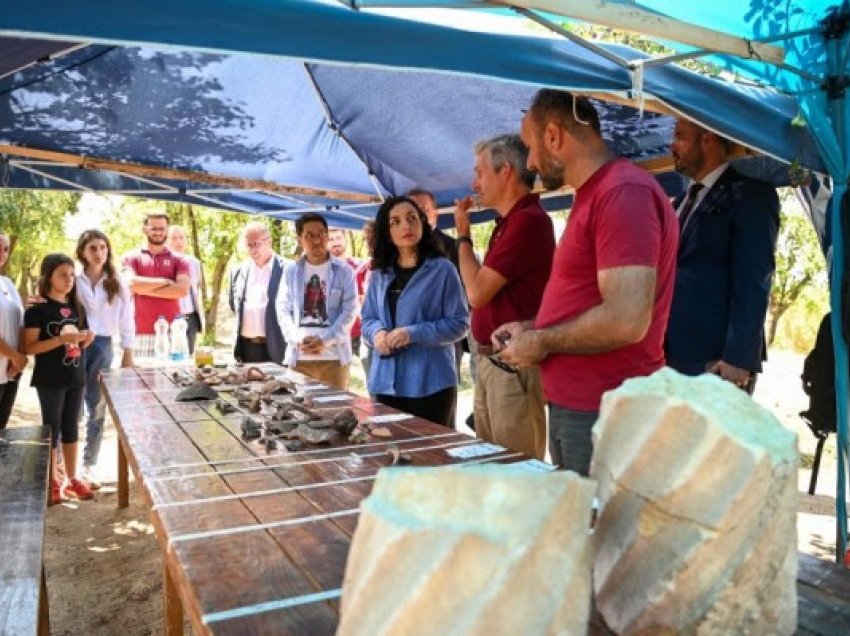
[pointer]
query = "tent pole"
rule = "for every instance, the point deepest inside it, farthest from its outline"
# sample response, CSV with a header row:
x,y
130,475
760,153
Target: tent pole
x,y
840,203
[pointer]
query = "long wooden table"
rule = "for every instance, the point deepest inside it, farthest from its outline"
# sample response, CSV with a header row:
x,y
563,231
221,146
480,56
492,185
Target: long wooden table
x,y
24,463
256,541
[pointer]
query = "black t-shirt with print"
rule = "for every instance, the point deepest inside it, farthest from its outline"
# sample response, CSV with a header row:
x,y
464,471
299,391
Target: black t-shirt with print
x,y
59,368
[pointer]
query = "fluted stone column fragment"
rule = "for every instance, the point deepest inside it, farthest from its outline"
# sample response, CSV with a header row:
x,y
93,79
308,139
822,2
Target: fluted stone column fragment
x,y
470,550
696,531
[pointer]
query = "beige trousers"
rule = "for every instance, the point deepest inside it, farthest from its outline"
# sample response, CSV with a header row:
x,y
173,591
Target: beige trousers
x,y
509,408
328,371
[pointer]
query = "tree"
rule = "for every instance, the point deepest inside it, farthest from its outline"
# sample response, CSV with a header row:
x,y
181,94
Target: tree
x,y
799,263
35,225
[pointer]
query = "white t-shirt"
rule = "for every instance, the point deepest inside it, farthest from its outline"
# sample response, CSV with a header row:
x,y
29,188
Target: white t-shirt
x,y
11,321
314,309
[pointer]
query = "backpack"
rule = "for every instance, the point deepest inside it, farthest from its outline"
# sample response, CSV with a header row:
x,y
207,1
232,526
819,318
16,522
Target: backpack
x,y
819,383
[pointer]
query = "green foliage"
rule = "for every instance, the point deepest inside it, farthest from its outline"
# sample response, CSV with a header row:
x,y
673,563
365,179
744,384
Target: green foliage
x,y
35,224
800,278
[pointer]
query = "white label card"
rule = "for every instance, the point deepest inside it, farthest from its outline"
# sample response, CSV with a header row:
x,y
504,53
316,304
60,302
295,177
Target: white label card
x,y
340,397
534,465
475,450
389,417
313,387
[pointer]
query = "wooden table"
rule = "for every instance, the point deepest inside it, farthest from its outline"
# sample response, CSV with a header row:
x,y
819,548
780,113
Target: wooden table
x,y
24,465
256,542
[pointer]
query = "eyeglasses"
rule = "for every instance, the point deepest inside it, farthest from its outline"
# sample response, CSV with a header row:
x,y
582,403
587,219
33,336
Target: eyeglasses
x,y
504,366
310,236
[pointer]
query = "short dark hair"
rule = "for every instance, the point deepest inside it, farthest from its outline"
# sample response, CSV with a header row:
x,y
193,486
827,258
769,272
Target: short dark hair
x,y
564,107
308,217
156,215
385,251
421,192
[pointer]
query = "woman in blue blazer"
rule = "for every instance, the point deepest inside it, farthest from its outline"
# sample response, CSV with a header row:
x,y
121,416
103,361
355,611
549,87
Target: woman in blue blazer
x,y
415,310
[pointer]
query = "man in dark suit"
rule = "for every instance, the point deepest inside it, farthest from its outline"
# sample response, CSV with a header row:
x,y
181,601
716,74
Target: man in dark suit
x,y
728,226
253,291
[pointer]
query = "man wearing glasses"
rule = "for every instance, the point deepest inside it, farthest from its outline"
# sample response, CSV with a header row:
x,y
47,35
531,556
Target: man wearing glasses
x,y
317,306
158,278
253,291
507,286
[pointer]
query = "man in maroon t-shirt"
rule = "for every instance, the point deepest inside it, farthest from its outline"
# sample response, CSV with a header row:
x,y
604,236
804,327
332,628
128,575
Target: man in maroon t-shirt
x,y
605,307
507,286
158,279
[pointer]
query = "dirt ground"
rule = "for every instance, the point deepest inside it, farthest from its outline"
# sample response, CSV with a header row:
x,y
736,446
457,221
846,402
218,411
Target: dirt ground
x,y
103,565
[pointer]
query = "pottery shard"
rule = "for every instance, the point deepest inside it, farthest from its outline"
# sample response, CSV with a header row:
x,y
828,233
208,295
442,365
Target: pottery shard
x,y
696,531
470,550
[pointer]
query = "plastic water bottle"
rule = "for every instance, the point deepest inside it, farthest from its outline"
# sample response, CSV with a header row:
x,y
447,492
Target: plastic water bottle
x,y
160,339
179,341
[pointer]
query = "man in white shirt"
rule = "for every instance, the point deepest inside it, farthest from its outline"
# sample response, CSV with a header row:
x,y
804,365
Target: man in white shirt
x,y
317,306
190,304
253,292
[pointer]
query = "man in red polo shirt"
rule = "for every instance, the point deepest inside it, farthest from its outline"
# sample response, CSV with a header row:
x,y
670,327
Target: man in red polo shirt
x,y
605,308
507,286
158,279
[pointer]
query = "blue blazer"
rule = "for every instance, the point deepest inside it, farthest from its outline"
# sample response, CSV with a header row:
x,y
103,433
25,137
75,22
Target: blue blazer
x,y
723,275
433,309
274,337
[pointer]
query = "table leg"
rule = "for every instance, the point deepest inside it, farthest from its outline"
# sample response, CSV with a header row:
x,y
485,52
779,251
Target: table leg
x,y
43,611
123,484
171,604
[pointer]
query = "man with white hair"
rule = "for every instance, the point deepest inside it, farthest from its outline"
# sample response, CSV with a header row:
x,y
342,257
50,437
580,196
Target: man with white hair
x,y
254,287
190,304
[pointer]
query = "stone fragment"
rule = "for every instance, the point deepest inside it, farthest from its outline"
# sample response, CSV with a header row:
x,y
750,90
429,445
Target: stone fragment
x,y
482,550
696,531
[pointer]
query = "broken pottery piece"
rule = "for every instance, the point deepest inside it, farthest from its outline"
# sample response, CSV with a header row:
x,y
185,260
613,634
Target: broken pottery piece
x,y
197,390
696,531
475,550
310,435
251,428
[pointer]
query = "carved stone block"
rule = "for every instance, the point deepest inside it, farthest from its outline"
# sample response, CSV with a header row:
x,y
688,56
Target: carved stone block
x,y
470,550
696,531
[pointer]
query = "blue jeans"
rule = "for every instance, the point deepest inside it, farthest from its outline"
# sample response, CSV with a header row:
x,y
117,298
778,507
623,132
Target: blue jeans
x,y
571,438
96,358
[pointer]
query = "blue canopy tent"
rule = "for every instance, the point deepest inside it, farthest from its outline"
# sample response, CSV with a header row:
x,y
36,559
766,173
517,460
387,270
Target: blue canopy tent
x,y
329,38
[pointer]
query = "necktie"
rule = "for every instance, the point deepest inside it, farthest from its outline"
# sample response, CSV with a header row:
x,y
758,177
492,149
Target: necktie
x,y
690,204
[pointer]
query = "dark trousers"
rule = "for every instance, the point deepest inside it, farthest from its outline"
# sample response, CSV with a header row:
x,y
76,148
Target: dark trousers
x,y
571,438
60,410
193,328
437,407
252,351
8,392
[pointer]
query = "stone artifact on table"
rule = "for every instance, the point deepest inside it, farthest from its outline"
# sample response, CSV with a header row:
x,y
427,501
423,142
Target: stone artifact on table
x,y
696,531
489,549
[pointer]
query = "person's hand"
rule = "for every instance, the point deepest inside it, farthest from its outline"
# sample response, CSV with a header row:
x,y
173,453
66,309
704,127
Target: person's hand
x,y
729,372
461,214
398,338
500,337
87,337
18,362
70,337
35,299
11,371
127,359
524,349
312,345
380,342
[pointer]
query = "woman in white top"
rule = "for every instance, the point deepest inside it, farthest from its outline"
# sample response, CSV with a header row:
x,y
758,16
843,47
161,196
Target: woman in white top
x,y
109,311
12,361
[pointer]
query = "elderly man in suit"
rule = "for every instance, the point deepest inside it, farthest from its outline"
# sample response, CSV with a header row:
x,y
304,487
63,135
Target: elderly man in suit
x,y
728,227
253,291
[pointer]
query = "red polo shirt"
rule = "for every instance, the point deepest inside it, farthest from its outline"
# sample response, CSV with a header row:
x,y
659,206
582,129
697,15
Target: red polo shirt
x,y
520,249
165,264
620,217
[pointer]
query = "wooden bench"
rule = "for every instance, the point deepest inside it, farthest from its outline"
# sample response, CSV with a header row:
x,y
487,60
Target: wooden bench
x,y
256,542
24,467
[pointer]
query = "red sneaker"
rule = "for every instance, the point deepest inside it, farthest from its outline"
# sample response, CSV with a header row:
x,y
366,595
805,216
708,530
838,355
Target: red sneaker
x,y
79,488
56,494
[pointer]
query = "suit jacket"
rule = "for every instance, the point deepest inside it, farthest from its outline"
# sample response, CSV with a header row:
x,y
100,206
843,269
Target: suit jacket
x,y
724,270
274,337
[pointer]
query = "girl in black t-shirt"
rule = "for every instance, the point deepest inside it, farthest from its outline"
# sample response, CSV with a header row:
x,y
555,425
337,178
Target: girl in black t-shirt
x,y
55,331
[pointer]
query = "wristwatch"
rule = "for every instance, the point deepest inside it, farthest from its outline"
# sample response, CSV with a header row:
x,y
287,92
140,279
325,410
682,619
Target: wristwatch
x,y
465,239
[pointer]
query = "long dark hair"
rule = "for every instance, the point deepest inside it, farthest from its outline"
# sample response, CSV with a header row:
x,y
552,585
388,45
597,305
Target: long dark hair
x,y
48,265
386,253
110,281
